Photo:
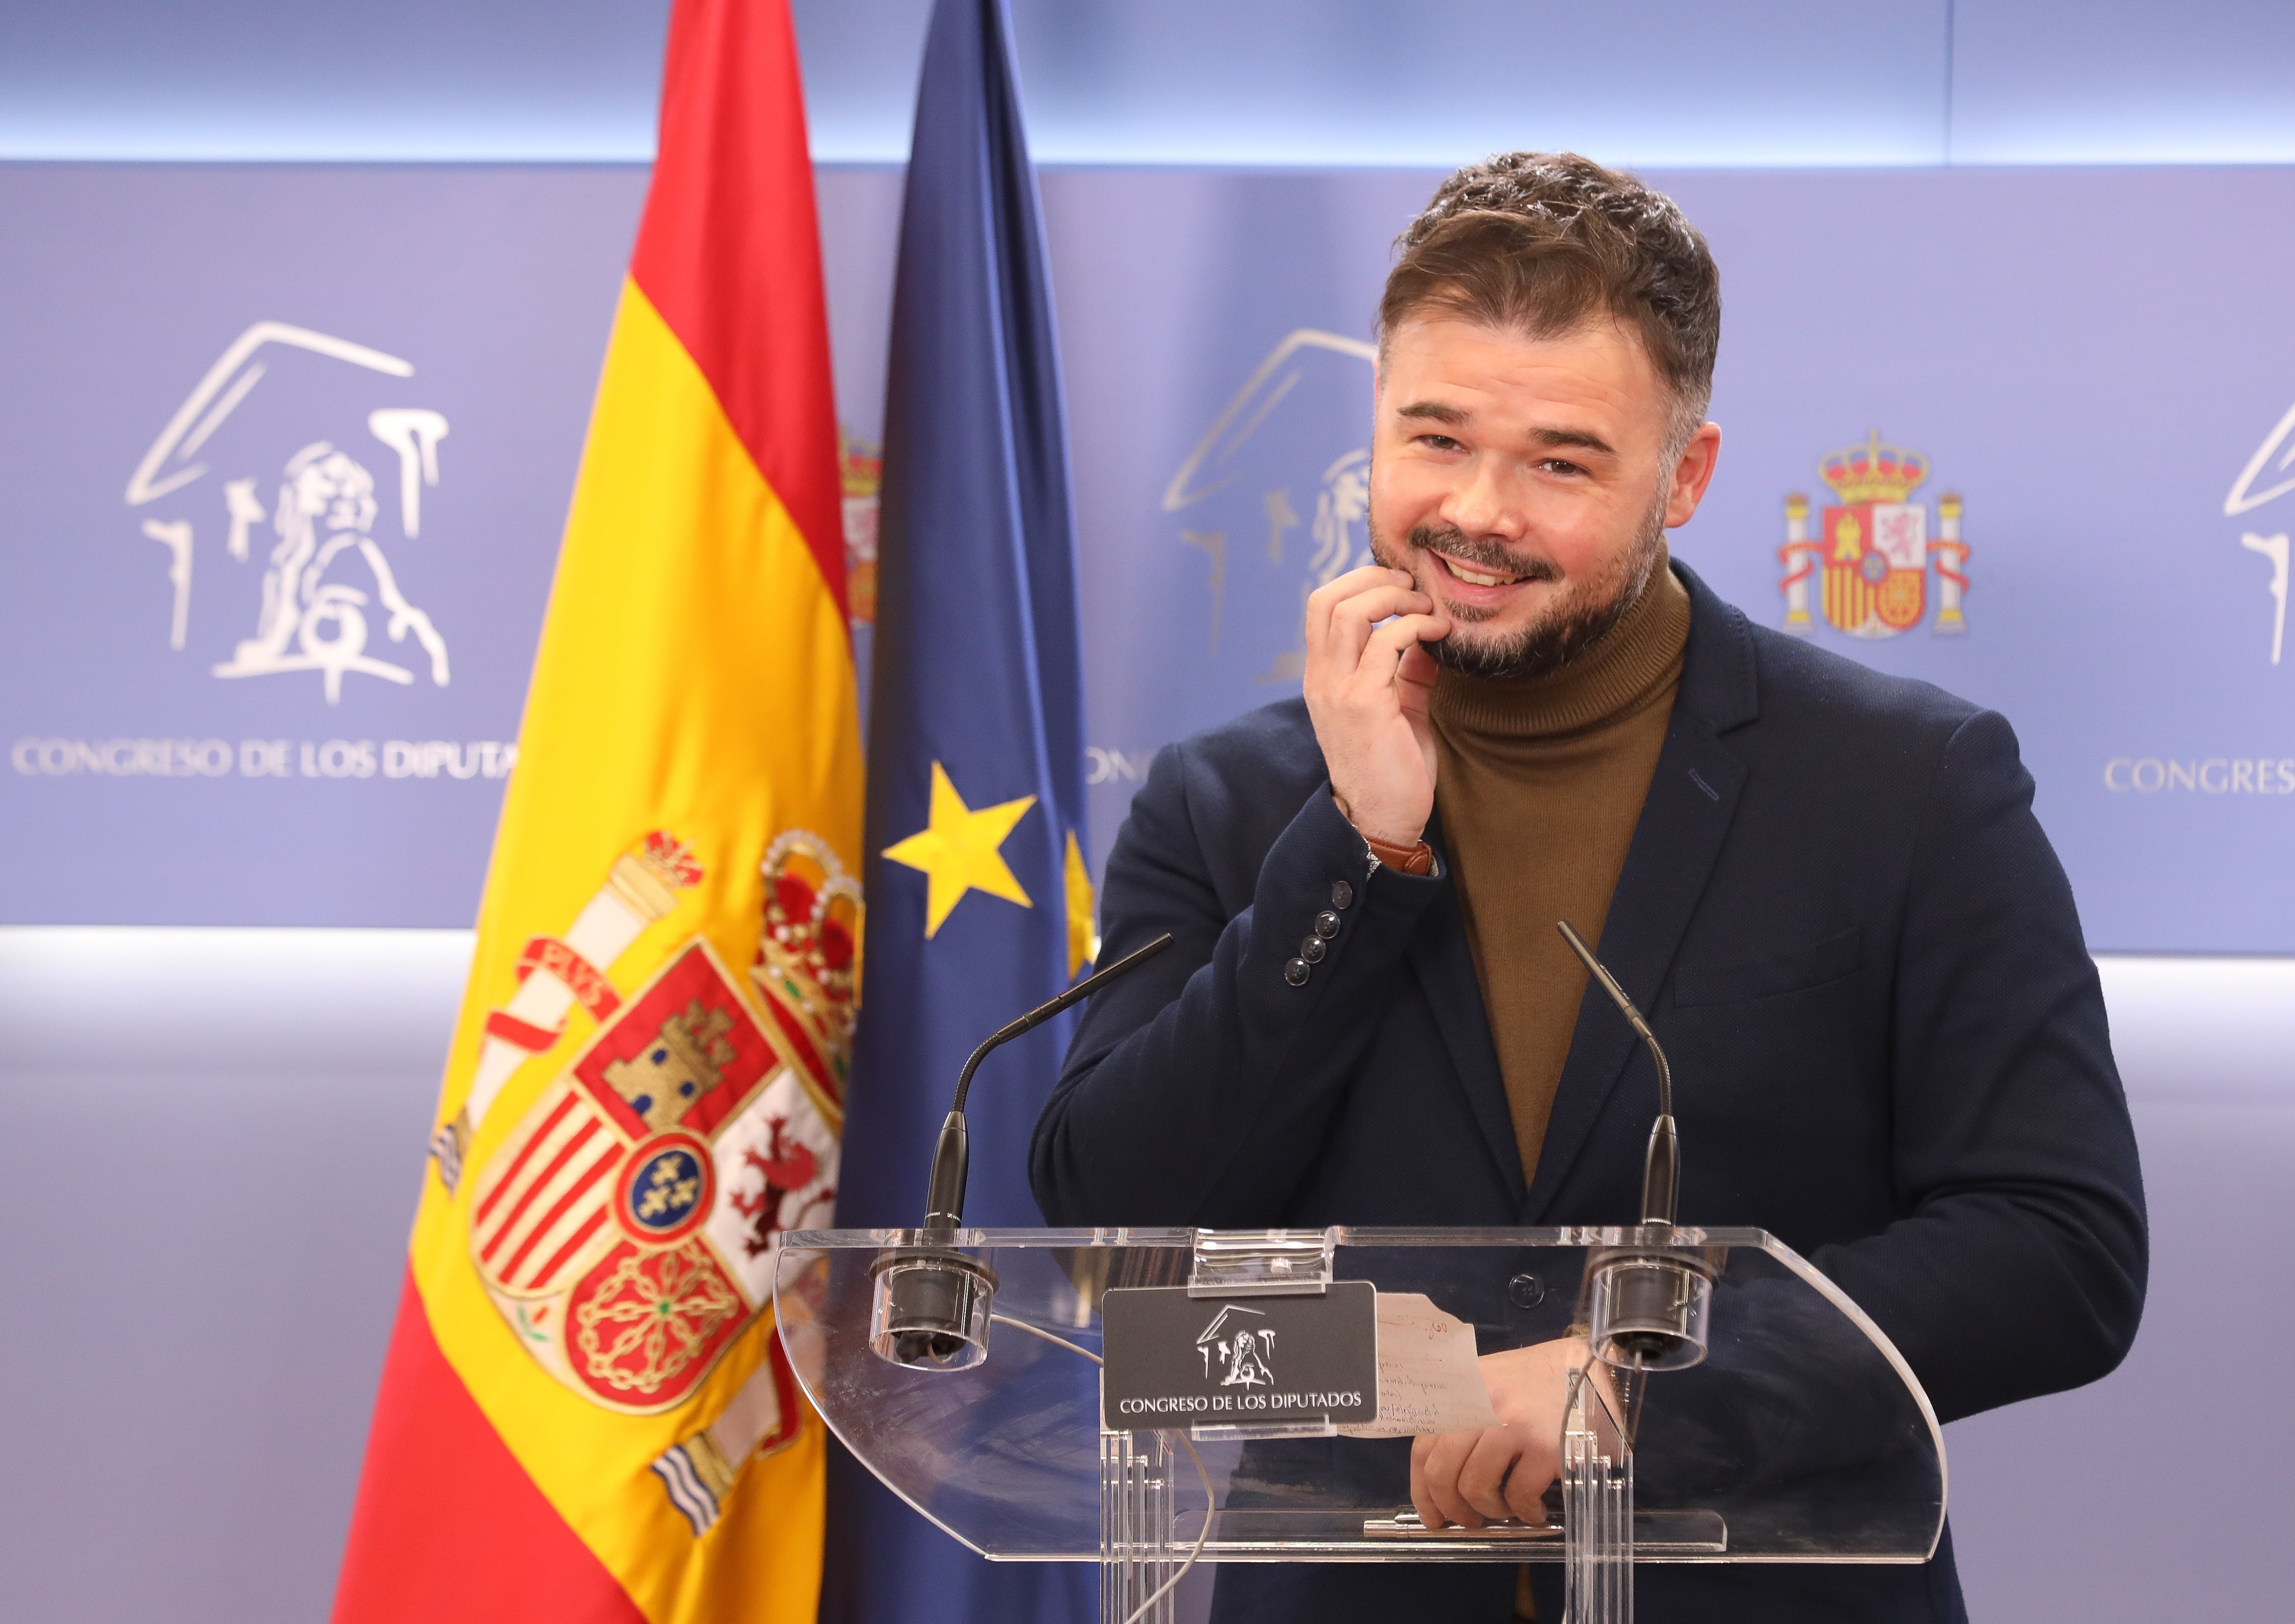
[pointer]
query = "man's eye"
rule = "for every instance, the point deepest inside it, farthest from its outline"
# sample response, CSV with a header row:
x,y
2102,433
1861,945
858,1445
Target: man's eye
x,y
1439,442
1558,465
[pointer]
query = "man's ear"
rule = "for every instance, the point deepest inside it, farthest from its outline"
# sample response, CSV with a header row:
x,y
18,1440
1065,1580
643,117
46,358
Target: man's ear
x,y
1692,474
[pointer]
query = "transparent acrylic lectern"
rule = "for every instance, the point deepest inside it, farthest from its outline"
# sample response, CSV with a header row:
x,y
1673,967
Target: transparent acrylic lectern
x,y
1739,1407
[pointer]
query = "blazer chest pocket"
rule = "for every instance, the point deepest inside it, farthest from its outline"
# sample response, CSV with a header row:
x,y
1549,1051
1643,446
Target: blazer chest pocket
x,y
1744,976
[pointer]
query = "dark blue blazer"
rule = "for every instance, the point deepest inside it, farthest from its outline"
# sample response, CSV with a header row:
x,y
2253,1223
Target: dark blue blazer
x,y
1860,954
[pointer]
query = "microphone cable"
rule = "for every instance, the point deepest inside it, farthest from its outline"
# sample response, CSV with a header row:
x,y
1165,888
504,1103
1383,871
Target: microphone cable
x,y
1186,1442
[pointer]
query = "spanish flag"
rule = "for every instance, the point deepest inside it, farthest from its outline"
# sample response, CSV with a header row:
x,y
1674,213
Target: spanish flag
x,y
585,1415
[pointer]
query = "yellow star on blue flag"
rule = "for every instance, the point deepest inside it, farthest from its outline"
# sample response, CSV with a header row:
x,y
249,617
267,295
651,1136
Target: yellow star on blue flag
x,y
958,850
1083,910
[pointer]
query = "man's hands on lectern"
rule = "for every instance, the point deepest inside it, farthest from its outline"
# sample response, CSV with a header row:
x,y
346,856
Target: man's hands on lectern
x,y
1474,1478
1369,682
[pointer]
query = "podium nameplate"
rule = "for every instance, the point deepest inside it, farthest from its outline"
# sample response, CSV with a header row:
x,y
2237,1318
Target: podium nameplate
x,y
1274,1362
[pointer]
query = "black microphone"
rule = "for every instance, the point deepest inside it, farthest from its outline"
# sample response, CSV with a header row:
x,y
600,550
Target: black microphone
x,y
1649,1301
931,1302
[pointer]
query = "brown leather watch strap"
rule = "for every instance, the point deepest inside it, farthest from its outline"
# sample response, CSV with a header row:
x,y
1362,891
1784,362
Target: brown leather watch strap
x,y
1417,858
1402,859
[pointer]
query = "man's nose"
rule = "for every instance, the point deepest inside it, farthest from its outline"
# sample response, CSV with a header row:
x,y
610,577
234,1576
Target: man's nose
x,y
1484,503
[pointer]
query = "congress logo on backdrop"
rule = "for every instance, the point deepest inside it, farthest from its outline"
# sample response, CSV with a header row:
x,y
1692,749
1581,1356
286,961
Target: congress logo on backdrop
x,y
1274,464
2275,455
286,496
326,600
1873,555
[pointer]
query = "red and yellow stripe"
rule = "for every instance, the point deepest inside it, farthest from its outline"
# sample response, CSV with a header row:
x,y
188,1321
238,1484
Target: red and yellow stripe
x,y
695,674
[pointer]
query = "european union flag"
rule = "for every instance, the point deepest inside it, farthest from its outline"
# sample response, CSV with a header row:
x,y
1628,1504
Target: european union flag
x,y
980,907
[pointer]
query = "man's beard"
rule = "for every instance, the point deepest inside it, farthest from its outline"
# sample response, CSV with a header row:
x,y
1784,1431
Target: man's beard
x,y
1564,630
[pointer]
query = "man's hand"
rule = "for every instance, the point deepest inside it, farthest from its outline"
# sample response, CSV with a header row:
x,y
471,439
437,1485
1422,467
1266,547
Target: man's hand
x,y
1472,1478
1368,689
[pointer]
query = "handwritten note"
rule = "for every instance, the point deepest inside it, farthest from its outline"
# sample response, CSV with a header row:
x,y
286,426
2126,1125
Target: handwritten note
x,y
1428,1378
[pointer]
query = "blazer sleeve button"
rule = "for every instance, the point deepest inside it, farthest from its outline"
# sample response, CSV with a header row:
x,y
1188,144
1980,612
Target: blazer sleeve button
x,y
1342,893
1295,972
1313,950
1327,924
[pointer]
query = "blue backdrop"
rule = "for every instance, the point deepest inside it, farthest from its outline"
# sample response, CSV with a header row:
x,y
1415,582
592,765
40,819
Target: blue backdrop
x,y
2088,357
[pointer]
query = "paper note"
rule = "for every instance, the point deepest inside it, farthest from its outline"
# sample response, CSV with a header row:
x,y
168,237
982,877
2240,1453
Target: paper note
x,y
1429,1380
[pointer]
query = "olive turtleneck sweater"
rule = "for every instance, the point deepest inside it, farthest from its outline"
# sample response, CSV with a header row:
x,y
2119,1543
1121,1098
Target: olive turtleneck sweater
x,y
1539,782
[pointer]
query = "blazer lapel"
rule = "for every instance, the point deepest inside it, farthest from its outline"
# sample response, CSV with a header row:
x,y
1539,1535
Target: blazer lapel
x,y
1444,963
1692,796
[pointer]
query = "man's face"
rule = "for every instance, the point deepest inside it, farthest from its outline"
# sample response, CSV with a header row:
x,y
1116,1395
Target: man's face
x,y
1524,483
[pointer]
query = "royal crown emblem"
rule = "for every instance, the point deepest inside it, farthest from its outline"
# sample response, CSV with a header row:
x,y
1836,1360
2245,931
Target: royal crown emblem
x,y
809,952
627,1227
1873,551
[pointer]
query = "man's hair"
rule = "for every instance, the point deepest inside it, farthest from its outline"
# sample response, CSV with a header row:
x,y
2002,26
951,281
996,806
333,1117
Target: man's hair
x,y
1545,242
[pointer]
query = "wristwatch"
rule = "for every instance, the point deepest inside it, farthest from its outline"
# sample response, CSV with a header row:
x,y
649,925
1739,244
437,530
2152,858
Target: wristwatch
x,y
1417,860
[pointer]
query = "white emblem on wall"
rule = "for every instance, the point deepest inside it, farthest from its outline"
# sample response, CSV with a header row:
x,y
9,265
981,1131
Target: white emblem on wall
x,y
328,587
1337,533
2275,455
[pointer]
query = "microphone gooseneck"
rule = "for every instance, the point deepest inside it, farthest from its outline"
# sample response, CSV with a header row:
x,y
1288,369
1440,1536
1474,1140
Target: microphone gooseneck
x,y
1662,1166
929,1307
1068,999
945,1194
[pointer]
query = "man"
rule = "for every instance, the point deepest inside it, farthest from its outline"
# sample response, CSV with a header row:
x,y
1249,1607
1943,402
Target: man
x,y
1824,886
